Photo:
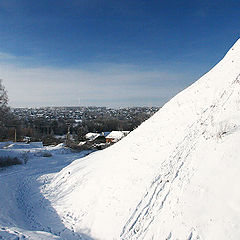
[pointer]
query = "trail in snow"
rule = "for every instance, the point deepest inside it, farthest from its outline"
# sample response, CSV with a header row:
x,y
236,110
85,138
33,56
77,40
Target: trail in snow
x,y
32,214
155,197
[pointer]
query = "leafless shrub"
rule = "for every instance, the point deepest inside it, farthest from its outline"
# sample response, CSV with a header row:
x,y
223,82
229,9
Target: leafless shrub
x,y
8,161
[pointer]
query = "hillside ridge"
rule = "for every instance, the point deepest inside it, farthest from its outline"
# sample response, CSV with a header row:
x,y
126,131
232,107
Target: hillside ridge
x,y
154,176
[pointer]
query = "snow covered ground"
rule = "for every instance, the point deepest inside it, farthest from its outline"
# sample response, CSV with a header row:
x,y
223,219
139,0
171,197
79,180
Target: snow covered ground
x,y
174,177
24,212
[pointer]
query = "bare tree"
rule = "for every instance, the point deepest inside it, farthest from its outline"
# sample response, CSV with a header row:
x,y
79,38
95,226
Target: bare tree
x,y
4,109
3,94
4,112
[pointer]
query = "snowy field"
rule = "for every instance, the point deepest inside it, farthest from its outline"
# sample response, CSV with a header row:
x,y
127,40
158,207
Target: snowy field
x,y
174,177
24,212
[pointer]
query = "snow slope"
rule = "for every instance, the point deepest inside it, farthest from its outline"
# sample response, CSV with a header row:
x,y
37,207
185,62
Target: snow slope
x,y
175,177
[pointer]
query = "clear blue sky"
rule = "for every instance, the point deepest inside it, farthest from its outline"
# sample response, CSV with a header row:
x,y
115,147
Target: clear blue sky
x,y
114,53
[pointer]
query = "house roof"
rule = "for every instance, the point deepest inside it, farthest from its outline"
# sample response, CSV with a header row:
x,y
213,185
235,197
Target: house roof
x,y
91,136
105,133
116,135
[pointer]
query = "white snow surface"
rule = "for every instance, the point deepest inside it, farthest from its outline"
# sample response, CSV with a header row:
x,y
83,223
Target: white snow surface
x,y
24,212
19,145
174,177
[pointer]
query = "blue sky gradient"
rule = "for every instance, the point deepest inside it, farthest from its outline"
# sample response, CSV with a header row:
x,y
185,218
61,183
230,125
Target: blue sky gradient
x,y
168,43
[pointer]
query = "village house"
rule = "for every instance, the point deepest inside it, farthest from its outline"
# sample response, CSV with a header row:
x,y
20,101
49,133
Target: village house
x,y
115,136
91,136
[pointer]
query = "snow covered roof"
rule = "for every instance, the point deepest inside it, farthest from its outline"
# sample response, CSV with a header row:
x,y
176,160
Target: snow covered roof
x,y
91,136
81,143
116,135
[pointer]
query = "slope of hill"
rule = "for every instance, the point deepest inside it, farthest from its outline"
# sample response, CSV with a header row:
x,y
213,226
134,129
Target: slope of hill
x,y
175,177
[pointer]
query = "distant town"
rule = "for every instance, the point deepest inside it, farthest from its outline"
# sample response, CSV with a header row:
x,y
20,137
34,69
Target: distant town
x,y
79,114
79,127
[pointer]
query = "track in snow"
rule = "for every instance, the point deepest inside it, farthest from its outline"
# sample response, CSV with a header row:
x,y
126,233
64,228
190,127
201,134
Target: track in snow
x,y
34,212
154,199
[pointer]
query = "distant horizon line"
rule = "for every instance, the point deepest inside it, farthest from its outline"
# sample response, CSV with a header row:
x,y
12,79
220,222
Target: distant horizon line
x,y
89,106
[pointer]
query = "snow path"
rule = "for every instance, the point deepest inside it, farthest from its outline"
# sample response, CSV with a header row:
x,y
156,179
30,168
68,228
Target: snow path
x,y
24,212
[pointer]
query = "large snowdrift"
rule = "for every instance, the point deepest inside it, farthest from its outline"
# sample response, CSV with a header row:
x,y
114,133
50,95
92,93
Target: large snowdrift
x,y
175,177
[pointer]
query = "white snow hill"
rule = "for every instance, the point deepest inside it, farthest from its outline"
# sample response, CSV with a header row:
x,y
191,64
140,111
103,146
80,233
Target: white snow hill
x,y
175,177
